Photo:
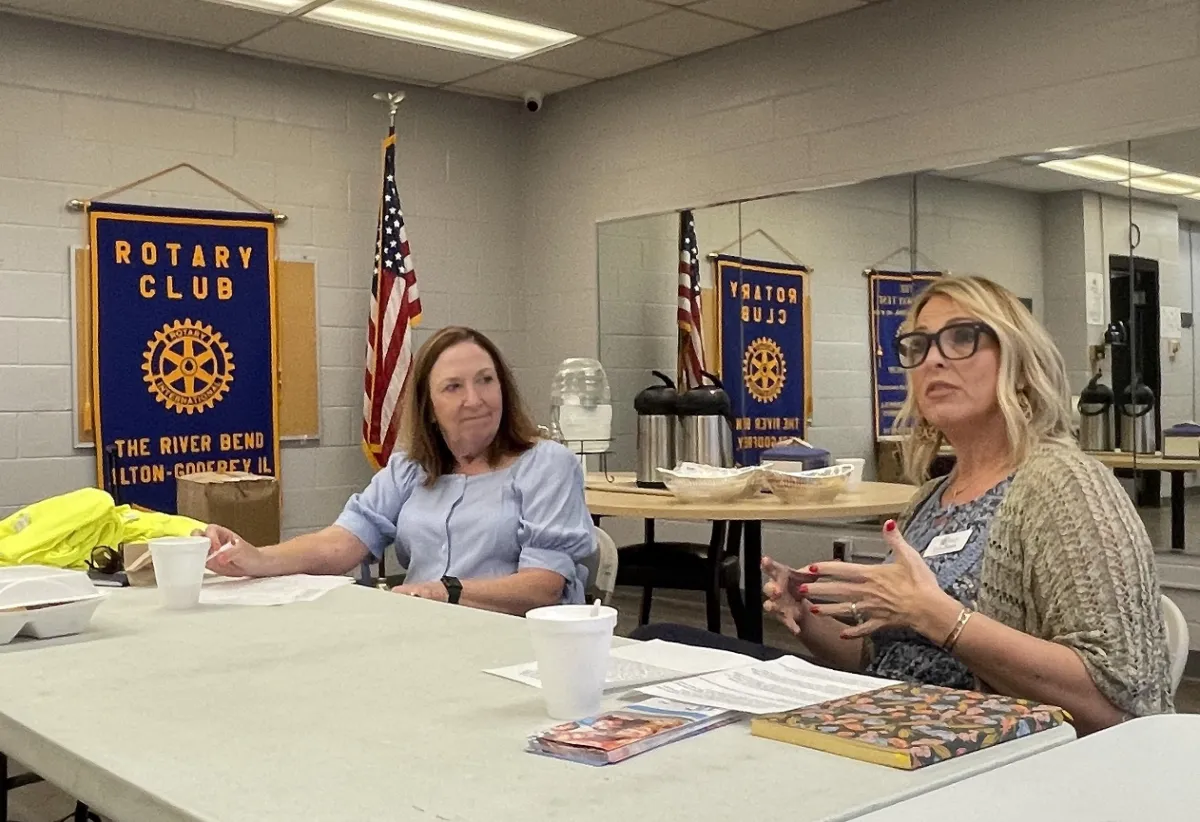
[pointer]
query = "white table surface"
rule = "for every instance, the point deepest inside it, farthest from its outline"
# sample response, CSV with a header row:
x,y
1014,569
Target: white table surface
x,y
366,705
1144,769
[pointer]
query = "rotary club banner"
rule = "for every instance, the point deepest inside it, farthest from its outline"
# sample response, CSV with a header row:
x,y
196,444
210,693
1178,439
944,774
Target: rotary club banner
x,y
764,337
891,294
184,347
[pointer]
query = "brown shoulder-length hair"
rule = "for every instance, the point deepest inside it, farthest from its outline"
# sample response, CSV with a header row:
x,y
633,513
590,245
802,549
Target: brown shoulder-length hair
x,y
422,437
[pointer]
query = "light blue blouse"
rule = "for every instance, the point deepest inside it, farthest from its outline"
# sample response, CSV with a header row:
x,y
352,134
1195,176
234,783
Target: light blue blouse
x,y
531,514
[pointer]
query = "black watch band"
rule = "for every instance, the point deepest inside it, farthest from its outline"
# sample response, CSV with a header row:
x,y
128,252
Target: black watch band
x,y
453,588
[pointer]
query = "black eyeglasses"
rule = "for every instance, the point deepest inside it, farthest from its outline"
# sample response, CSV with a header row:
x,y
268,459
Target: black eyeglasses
x,y
956,341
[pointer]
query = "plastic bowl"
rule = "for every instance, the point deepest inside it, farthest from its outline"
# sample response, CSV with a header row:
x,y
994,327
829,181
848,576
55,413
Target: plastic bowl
x,y
696,483
820,485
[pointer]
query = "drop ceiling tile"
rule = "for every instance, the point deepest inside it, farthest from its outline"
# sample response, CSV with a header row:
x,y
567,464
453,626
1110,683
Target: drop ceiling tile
x,y
596,59
680,32
774,14
190,20
351,51
514,80
583,17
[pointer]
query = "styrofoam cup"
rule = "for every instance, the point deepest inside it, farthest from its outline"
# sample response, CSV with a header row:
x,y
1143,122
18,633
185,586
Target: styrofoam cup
x,y
571,648
858,463
179,569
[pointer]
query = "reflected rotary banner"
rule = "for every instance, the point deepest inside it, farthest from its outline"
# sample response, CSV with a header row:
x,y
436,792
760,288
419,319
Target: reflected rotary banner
x,y
764,340
184,347
891,295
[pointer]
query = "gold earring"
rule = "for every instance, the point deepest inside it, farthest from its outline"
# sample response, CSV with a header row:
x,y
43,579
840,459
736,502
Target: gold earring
x,y
1025,406
926,432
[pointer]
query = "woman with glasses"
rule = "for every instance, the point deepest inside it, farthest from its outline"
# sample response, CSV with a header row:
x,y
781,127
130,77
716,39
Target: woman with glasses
x,y
1026,571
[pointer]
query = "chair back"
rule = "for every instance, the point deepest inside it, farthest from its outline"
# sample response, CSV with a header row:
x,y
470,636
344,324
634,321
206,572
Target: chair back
x,y
602,566
1178,640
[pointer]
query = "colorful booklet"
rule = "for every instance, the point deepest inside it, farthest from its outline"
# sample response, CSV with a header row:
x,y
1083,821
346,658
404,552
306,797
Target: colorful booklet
x,y
619,734
910,726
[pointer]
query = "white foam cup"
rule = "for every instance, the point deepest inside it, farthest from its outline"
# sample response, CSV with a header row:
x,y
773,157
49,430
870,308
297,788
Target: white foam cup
x,y
179,569
571,647
855,480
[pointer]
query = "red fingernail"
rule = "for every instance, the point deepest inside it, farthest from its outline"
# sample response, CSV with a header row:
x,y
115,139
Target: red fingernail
x,y
812,569
890,525
843,636
804,589
815,609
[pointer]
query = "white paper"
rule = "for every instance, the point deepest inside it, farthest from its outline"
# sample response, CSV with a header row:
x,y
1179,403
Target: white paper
x,y
622,675
688,660
1171,322
270,590
768,687
947,544
1094,297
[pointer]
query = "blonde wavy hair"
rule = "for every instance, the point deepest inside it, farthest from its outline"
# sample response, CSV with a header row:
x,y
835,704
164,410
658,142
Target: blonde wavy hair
x,y
1032,387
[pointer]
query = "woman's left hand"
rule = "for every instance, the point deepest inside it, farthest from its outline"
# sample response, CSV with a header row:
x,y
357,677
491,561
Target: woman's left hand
x,y
434,590
901,594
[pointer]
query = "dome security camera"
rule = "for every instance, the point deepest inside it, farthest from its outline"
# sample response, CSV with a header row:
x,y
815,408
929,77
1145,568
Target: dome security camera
x,y
533,101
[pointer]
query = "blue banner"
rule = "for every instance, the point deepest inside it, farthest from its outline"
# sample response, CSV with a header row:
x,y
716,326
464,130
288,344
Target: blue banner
x,y
764,343
891,294
184,347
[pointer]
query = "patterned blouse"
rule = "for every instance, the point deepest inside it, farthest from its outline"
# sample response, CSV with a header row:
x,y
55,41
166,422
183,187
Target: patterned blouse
x,y
902,653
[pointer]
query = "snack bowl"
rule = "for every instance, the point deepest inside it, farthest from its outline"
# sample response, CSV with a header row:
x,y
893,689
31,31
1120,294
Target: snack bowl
x,y
804,487
690,482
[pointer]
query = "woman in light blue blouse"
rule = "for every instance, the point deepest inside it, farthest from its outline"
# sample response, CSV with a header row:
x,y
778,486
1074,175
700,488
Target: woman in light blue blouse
x,y
481,510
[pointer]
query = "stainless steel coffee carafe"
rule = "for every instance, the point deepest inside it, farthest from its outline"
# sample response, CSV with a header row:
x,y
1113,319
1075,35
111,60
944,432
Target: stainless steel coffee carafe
x,y
656,424
1096,416
706,425
1138,431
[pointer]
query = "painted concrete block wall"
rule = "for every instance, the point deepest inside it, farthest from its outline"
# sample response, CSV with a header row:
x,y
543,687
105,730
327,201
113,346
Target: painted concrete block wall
x,y
83,111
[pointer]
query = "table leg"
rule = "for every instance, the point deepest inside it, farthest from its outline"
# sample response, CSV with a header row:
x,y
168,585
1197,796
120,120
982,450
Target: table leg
x,y
752,573
1177,511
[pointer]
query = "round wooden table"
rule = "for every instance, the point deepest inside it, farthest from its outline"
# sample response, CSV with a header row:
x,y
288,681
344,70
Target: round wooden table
x,y
617,495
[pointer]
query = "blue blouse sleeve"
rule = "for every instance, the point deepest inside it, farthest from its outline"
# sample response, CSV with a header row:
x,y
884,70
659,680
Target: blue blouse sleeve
x,y
555,528
371,515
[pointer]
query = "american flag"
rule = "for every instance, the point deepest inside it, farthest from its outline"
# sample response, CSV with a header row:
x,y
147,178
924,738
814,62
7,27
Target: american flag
x,y
395,309
691,347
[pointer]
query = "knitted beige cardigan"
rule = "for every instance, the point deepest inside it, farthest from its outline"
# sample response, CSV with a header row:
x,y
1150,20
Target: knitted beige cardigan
x,y
1068,560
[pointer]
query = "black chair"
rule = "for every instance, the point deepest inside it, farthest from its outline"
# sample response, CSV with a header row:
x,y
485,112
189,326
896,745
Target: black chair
x,y
686,566
11,783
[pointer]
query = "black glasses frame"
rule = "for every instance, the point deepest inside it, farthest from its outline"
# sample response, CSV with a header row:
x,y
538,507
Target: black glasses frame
x,y
933,338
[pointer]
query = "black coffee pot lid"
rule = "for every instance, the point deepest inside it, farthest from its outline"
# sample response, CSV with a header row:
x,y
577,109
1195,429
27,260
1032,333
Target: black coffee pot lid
x,y
656,399
706,400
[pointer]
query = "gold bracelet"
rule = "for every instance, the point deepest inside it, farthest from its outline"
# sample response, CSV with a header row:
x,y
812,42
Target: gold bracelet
x,y
964,616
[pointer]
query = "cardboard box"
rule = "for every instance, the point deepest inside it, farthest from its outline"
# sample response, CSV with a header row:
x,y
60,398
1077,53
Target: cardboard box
x,y
248,504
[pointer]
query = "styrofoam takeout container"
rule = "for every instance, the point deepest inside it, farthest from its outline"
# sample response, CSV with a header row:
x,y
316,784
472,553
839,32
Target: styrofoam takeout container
x,y
43,602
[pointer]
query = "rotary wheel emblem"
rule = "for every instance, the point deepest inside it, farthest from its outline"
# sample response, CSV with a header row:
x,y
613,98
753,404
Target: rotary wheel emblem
x,y
764,370
187,366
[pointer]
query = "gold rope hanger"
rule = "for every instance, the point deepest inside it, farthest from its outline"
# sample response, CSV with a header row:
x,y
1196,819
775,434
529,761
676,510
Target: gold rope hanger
x,y
778,245
84,205
914,258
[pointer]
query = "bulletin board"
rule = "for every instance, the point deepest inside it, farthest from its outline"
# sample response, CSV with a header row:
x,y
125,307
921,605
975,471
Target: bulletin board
x,y
296,303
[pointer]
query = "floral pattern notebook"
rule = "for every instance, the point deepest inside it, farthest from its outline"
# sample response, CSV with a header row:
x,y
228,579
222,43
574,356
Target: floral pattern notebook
x,y
910,726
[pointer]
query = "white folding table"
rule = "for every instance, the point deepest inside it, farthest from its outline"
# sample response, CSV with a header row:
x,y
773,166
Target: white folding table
x,y
368,705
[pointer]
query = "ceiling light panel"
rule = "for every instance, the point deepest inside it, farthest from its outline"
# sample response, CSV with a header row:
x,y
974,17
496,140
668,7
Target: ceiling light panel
x,y
277,6
1103,168
442,26
1166,184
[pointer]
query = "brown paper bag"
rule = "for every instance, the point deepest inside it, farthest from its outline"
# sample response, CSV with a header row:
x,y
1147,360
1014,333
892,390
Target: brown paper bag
x,y
248,504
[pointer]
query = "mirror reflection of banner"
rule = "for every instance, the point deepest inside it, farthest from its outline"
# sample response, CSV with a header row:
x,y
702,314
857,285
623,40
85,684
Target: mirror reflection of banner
x,y
185,362
764,338
891,294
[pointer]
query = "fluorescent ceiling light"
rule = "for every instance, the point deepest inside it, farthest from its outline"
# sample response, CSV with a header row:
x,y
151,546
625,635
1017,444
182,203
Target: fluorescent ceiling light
x,y
1166,184
1103,168
442,26
278,6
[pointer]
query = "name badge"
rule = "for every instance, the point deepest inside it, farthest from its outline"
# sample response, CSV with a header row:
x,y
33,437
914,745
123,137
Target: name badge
x,y
948,544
